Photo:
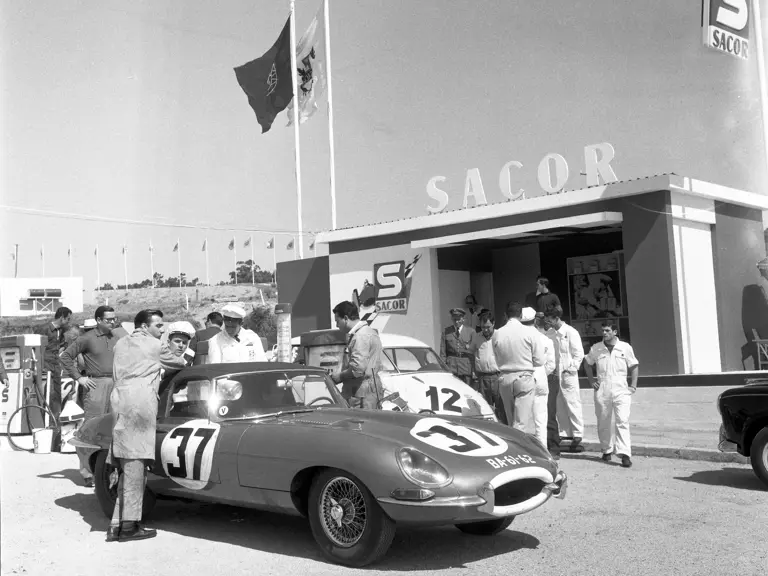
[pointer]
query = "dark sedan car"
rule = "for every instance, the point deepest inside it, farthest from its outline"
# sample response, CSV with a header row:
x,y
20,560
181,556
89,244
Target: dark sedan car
x,y
280,437
744,411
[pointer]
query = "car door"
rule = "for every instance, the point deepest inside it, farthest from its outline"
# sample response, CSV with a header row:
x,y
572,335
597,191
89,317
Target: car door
x,y
186,437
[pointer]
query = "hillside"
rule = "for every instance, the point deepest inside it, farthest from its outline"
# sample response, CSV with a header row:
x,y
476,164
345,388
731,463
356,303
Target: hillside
x,y
192,304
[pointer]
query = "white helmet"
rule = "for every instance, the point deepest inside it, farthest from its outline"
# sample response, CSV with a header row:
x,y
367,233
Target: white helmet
x,y
181,327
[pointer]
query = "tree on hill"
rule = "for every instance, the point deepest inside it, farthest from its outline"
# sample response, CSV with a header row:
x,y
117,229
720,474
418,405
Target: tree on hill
x,y
244,275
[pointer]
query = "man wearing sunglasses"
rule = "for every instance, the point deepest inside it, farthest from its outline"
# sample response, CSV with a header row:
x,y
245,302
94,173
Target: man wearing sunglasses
x,y
97,347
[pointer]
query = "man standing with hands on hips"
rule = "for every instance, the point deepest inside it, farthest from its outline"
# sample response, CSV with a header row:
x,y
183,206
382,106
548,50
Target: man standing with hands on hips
x,y
613,396
359,378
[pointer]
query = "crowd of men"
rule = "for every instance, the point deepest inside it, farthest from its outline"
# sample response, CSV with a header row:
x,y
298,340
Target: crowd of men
x,y
121,373
527,370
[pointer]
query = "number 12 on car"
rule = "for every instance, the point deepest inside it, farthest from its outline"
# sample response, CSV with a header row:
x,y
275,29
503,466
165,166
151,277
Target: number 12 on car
x,y
449,404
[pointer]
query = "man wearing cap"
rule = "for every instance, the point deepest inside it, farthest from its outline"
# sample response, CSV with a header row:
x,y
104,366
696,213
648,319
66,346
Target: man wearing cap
x,y
518,353
455,344
540,375
570,353
359,376
138,362
474,311
235,343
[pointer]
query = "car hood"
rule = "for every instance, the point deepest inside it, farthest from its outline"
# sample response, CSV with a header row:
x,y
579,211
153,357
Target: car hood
x,y
412,386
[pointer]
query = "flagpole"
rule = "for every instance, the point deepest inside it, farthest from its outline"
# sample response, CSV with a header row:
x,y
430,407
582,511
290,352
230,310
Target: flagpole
x,y
125,264
69,253
16,260
207,275
253,263
42,257
98,273
152,262
274,261
761,74
327,22
234,253
294,82
178,255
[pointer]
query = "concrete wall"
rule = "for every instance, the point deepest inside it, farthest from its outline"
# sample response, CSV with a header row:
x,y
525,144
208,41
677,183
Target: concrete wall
x,y
651,283
349,271
454,287
738,244
306,285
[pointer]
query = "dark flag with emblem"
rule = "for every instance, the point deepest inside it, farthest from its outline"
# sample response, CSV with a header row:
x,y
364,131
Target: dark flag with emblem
x,y
267,80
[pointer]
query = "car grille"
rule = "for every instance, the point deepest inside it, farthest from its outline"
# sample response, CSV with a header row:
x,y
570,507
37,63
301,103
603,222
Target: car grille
x,y
518,491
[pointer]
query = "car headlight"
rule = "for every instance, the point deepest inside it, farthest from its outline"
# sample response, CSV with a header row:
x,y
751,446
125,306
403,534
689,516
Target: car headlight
x,y
421,469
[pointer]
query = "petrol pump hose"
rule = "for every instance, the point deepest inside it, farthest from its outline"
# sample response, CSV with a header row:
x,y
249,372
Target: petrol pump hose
x,y
41,405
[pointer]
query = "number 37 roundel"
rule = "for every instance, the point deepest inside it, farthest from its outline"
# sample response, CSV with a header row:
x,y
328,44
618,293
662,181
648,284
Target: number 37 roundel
x,y
462,440
187,453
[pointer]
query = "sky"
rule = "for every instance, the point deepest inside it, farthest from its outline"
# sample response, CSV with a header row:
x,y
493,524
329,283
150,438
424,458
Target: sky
x,y
131,112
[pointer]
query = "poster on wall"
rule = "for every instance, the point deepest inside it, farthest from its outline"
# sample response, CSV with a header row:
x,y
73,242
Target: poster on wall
x,y
595,293
390,291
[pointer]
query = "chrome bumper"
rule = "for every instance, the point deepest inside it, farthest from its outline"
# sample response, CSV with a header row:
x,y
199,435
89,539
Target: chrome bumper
x,y
725,445
556,488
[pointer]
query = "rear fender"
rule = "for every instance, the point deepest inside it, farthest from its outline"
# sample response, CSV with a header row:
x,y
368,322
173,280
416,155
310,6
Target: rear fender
x,y
97,431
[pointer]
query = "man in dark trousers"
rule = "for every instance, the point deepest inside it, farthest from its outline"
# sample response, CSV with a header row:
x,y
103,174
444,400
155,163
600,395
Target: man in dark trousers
x,y
54,331
97,348
198,346
455,347
361,386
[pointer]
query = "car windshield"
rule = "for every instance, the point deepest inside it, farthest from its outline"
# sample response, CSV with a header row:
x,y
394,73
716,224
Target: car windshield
x,y
417,359
254,394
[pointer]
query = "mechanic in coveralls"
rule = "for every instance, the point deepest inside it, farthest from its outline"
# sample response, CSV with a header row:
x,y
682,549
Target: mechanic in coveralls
x,y
613,396
138,361
540,376
361,386
455,347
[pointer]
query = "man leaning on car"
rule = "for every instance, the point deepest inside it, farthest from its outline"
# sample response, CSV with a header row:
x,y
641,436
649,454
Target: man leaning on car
x,y
361,386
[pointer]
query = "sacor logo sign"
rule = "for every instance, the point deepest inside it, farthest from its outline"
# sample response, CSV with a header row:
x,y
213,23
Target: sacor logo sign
x,y
726,26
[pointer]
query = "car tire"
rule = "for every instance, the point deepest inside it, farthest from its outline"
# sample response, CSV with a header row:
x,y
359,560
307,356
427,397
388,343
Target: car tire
x,y
758,455
486,527
342,544
107,496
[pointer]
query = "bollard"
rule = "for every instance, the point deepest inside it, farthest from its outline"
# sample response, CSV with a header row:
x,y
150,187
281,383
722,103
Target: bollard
x,y
283,315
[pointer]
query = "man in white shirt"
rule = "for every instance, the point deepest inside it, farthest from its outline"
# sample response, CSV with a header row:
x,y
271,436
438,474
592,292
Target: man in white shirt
x,y
613,395
518,352
235,343
540,374
486,368
570,353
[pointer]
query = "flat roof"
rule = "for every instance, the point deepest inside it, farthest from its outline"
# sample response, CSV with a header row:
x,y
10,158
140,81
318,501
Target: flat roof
x,y
672,182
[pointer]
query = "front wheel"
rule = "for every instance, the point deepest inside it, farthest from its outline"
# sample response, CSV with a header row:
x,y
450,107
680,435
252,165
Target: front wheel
x,y
348,524
108,496
487,527
758,455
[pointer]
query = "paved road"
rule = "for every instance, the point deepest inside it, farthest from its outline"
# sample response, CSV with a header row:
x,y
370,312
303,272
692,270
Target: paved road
x,y
663,516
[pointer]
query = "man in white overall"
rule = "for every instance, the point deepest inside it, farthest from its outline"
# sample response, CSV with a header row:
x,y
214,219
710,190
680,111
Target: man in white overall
x,y
613,396
540,375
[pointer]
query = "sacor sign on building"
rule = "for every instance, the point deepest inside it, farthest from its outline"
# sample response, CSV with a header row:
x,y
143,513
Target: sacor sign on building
x,y
725,26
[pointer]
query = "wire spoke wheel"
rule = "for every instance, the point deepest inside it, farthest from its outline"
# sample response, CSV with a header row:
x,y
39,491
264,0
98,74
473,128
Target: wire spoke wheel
x,y
343,513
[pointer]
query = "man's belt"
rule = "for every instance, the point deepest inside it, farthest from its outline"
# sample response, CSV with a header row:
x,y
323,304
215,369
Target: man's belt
x,y
99,376
526,371
479,373
460,355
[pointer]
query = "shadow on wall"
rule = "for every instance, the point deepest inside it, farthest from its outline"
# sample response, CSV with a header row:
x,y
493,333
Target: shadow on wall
x,y
754,319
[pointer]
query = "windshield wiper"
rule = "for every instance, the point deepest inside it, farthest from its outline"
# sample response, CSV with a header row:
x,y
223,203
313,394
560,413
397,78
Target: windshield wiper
x,y
283,412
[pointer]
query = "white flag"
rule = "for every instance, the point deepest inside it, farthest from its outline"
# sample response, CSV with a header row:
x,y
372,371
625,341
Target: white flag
x,y
312,69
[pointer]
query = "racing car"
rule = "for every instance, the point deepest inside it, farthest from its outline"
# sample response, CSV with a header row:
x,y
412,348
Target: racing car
x,y
411,370
279,437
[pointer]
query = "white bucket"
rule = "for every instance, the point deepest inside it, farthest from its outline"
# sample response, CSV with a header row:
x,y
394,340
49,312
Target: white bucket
x,y
43,439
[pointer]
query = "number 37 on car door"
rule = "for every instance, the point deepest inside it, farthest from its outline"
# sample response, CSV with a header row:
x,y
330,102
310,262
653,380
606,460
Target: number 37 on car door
x,y
186,453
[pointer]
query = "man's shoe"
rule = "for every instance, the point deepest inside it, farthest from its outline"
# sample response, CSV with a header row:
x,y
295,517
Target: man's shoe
x,y
626,462
89,482
113,533
576,445
135,531
607,457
